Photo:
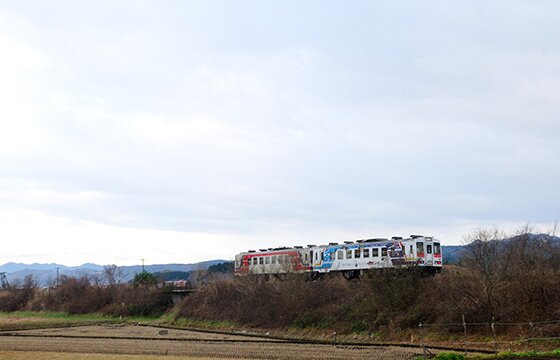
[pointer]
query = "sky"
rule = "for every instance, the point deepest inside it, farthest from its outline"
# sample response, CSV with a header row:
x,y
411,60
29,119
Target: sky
x,y
183,131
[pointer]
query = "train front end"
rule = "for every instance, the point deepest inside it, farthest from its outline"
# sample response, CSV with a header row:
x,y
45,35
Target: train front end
x,y
426,252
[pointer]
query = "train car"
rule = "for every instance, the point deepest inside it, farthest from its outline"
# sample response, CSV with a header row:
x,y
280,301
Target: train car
x,y
350,258
354,257
280,260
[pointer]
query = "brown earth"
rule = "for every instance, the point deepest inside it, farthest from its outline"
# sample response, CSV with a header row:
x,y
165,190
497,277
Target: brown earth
x,y
136,340
136,332
28,355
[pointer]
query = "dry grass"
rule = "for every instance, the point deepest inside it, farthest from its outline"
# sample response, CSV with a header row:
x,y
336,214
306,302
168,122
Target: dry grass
x,y
34,320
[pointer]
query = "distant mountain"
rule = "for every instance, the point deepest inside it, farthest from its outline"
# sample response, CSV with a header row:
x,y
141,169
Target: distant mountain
x,y
45,274
13,267
452,254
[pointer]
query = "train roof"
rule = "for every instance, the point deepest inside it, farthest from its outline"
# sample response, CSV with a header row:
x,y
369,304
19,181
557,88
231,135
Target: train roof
x,y
344,244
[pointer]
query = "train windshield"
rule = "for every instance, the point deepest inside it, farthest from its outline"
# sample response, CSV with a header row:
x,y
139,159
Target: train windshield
x,y
437,249
420,249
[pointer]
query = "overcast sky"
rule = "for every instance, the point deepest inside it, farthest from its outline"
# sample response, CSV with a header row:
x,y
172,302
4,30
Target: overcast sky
x,y
181,131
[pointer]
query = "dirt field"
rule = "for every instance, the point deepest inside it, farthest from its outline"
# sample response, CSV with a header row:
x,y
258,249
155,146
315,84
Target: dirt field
x,y
27,355
135,332
114,342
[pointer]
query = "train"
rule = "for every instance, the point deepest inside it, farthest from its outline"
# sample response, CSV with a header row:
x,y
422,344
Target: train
x,y
351,258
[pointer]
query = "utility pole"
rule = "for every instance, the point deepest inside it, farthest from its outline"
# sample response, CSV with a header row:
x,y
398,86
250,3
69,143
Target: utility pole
x,y
57,276
143,270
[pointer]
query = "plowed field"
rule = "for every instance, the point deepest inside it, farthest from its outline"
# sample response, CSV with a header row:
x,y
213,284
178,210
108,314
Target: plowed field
x,y
123,342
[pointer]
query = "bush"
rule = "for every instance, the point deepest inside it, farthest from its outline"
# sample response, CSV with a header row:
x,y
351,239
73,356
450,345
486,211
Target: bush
x,y
79,296
330,302
17,296
73,295
140,301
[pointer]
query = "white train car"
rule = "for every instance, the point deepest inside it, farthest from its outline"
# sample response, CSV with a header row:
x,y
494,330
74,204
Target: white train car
x,y
354,257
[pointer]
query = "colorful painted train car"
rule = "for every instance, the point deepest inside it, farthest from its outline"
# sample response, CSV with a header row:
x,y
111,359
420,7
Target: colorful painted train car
x,y
350,258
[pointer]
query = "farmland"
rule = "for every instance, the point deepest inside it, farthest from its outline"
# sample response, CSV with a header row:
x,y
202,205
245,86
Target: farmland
x,y
110,340
131,341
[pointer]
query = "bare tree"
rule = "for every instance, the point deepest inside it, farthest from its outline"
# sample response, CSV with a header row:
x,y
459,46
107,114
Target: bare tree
x,y
199,277
113,275
486,254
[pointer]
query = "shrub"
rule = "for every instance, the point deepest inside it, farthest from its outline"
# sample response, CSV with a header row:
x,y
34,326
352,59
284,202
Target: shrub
x,y
17,296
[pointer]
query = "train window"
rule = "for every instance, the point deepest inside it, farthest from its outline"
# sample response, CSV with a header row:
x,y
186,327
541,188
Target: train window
x,y
411,253
366,253
267,260
322,256
255,261
340,255
274,259
375,252
420,249
383,251
437,249
349,253
357,254
261,261
429,249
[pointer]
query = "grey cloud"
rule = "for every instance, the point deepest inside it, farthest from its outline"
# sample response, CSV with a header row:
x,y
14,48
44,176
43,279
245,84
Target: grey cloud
x,y
283,116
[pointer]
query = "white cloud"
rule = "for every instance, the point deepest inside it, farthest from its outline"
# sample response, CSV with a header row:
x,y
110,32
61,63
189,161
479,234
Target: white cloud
x,y
52,239
20,65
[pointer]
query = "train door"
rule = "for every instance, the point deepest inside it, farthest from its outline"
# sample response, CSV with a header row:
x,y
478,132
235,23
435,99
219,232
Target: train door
x,y
438,263
319,256
238,264
429,255
420,252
